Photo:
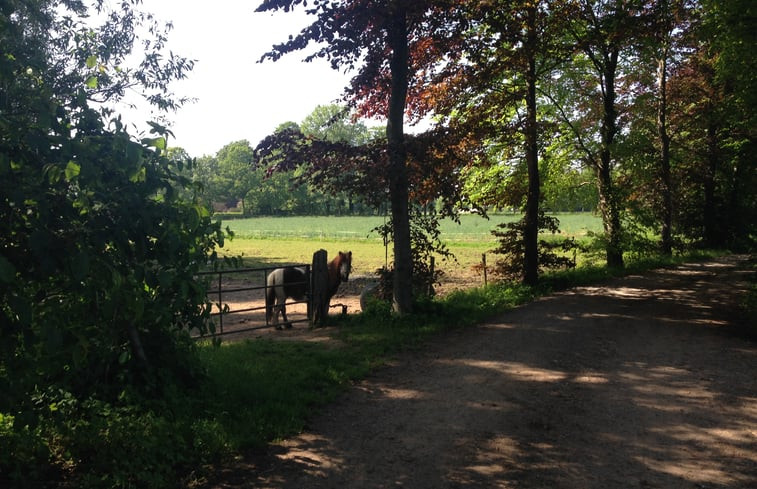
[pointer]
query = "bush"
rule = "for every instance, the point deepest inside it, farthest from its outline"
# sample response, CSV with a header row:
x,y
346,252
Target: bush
x,y
552,254
94,444
24,455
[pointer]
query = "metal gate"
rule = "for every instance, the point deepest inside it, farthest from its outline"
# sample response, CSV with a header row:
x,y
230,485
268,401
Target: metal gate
x,y
242,292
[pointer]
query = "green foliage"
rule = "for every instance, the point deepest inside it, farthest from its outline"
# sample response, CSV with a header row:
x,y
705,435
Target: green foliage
x,y
96,444
511,246
264,390
426,243
234,178
333,123
24,453
100,240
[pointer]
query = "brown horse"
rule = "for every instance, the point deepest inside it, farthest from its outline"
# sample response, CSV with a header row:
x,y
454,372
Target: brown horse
x,y
293,282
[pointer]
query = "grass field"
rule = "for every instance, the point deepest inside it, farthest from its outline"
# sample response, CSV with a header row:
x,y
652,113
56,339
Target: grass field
x,y
471,227
265,241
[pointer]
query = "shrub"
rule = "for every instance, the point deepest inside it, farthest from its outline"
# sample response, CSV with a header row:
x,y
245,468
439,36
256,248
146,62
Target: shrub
x,y
24,455
551,254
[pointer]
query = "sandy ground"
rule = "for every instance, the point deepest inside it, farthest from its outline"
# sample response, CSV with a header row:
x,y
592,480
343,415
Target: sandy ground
x,y
244,296
642,382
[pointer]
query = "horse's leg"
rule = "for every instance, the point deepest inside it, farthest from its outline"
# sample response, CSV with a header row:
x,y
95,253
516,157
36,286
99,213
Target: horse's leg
x,y
284,314
276,310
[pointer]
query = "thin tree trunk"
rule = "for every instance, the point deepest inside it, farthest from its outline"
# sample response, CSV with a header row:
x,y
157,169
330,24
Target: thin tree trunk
x,y
608,198
662,129
531,230
709,212
398,177
136,345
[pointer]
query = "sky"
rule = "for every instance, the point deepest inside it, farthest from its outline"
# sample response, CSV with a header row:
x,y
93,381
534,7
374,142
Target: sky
x,y
238,98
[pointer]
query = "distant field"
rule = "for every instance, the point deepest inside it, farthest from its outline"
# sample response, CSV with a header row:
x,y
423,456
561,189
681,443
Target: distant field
x,y
285,240
471,227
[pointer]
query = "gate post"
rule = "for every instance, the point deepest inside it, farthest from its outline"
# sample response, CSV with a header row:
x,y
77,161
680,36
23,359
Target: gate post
x,y
319,288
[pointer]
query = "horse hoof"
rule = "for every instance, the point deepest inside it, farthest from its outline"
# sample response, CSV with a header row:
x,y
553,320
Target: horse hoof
x,y
289,325
279,328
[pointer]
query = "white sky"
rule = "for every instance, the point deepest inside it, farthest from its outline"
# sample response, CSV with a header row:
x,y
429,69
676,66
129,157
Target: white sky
x,y
239,98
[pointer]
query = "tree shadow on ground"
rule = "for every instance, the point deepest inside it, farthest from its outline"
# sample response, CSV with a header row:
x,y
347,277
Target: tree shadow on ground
x,y
637,383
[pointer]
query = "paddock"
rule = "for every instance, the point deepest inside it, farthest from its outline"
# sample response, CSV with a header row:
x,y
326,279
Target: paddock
x,y
238,298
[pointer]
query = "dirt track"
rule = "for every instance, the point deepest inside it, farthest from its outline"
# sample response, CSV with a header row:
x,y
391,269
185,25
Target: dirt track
x,y
644,382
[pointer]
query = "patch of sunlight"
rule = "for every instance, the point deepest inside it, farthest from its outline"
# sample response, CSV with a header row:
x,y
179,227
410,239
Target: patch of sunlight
x,y
694,470
518,371
591,379
308,450
393,393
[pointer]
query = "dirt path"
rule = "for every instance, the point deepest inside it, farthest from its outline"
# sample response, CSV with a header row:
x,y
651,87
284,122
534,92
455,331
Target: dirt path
x,y
643,382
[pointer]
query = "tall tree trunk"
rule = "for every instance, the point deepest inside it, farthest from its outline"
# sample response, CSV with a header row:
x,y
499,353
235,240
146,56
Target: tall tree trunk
x,y
608,197
662,130
666,230
709,213
398,177
531,230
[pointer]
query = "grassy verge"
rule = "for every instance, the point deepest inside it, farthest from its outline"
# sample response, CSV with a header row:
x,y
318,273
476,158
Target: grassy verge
x,y
264,390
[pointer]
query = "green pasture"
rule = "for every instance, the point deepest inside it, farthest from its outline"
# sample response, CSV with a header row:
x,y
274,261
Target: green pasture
x,y
472,227
263,241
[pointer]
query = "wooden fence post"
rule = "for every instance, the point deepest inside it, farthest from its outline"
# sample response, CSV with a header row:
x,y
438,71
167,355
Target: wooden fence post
x,y
483,262
432,266
319,306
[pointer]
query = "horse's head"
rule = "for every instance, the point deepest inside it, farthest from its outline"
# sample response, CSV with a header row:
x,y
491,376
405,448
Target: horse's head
x,y
345,265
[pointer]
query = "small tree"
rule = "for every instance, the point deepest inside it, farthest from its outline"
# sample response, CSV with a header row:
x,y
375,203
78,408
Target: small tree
x,y
552,254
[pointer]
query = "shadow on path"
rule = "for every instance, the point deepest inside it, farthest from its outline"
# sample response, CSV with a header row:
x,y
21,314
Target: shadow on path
x,y
638,383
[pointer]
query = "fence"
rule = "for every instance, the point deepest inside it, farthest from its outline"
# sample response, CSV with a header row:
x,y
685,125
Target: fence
x,y
253,306
242,291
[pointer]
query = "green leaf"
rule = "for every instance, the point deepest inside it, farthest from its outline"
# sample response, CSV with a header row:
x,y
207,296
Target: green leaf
x,y
72,170
133,154
158,143
124,357
139,176
91,61
91,82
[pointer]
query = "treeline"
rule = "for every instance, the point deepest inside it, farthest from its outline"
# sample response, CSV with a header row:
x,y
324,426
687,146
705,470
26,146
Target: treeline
x,y
647,107
233,183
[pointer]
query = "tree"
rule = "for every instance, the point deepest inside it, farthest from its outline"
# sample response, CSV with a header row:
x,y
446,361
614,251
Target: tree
x,y
234,163
604,33
664,33
663,42
385,42
711,92
506,49
728,39
98,245
334,123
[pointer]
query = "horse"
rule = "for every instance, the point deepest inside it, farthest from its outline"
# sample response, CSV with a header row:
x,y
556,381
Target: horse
x,y
294,283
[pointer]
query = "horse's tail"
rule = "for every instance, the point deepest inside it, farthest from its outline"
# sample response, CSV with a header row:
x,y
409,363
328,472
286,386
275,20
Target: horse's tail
x,y
270,296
